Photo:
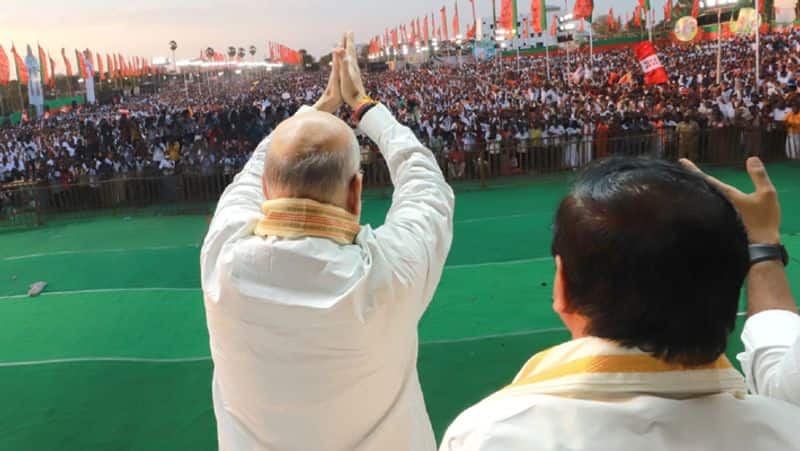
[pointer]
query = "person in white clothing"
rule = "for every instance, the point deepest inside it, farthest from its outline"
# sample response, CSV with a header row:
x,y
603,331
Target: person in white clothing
x,y
650,258
771,335
313,318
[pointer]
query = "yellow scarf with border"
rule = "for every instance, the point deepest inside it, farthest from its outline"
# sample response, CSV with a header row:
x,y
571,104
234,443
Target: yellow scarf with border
x,y
298,218
592,367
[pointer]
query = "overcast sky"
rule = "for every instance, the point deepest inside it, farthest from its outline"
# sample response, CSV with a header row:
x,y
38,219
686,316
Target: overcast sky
x,y
144,27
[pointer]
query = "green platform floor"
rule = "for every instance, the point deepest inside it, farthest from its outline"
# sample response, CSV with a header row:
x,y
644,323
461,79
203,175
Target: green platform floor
x,y
114,356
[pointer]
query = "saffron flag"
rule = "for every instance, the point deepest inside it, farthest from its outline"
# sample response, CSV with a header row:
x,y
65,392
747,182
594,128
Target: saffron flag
x,y
668,10
52,71
654,72
67,65
645,4
426,34
637,17
611,23
471,31
446,36
22,71
81,64
5,70
583,10
45,73
508,19
456,27
538,15
554,26
100,67
110,65
696,8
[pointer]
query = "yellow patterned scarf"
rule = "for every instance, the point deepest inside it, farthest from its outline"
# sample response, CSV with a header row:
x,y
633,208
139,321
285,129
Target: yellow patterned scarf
x,y
592,367
297,218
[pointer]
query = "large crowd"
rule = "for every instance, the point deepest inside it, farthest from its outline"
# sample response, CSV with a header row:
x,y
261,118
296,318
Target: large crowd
x,y
455,109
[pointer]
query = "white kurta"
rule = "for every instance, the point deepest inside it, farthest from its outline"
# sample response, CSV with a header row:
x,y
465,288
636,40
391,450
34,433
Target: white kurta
x,y
771,360
315,344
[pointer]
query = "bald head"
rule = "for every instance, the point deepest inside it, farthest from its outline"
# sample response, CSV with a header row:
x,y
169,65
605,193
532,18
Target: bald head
x,y
312,155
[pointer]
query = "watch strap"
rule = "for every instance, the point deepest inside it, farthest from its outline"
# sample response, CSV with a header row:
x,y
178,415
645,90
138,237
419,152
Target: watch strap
x,y
768,252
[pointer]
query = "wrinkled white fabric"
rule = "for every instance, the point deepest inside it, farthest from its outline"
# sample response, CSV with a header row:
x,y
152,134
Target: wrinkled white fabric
x,y
771,357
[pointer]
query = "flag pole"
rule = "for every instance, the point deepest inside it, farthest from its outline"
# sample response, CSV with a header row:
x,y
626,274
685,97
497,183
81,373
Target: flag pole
x,y
719,45
651,19
591,48
758,43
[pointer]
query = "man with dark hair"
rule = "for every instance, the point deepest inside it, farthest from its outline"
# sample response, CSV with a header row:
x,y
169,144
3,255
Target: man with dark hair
x,y
650,259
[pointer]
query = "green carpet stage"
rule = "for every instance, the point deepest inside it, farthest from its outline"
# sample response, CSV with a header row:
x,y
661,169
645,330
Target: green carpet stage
x,y
114,356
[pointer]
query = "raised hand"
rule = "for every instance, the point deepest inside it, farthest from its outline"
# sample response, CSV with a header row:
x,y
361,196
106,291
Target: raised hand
x,y
761,211
353,91
331,99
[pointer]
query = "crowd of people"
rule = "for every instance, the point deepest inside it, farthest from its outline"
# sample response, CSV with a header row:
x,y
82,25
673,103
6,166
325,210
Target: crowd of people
x,y
582,105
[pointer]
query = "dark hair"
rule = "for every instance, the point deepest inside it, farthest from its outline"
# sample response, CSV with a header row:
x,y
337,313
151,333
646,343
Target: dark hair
x,y
654,256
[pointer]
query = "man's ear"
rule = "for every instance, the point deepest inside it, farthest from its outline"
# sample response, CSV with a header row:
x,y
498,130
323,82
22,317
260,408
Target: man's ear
x,y
354,194
561,303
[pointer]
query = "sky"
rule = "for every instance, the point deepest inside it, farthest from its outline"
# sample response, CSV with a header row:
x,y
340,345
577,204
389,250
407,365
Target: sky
x,y
144,27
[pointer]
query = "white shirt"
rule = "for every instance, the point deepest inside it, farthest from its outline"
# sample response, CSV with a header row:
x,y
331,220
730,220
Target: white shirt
x,y
315,344
771,359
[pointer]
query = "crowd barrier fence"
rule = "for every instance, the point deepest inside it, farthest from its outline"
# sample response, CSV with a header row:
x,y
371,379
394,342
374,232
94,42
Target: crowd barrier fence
x,y
31,204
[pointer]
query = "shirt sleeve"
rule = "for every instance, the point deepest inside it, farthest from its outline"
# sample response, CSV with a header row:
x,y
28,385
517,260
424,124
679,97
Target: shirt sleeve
x,y
771,360
418,230
238,210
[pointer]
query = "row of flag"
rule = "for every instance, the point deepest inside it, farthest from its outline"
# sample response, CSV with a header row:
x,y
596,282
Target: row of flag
x,y
113,66
279,53
422,31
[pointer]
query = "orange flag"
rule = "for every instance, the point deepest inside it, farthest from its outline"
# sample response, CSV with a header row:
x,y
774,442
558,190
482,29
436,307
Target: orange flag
x,y
696,8
100,67
5,70
109,67
456,28
446,37
43,67
66,63
507,19
52,70
22,71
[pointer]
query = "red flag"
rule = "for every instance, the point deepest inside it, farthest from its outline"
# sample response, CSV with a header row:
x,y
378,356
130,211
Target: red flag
x,y
67,64
583,10
110,66
419,31
668,10
22,71
637,17
611,23
456,27
654,72
554,26
426,34
527,30
45,73
395,40
696,8
507,19
446,37
5,69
